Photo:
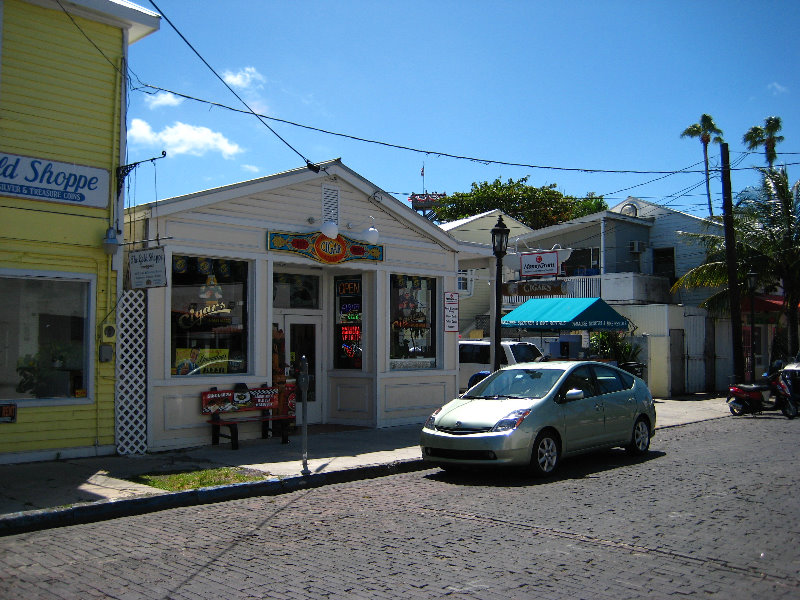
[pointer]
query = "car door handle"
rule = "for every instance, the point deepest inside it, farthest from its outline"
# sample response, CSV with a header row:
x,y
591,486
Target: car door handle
x,y
598,407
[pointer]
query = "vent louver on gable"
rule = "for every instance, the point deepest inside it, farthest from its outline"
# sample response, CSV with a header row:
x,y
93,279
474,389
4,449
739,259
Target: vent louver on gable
x,y
330,204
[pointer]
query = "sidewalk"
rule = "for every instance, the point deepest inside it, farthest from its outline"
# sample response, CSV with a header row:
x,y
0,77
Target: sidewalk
x,y
52,494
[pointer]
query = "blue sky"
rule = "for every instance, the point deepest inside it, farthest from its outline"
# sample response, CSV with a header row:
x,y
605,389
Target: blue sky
x,y
581,85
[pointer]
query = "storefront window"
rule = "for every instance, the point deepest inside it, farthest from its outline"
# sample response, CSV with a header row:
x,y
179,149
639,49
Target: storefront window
x,y
44,323
290,290
413,322
209,316
347,333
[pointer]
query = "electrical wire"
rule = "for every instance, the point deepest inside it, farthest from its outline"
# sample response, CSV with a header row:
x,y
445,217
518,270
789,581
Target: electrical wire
x,y
225,83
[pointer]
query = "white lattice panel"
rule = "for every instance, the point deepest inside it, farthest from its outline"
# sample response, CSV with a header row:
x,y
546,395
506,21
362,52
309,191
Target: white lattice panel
x,y
131,409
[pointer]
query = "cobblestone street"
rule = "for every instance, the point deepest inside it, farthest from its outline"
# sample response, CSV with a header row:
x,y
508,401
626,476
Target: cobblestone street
x,y
711,512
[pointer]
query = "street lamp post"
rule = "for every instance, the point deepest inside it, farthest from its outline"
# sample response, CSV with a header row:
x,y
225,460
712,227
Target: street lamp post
x,y
499,248
752,280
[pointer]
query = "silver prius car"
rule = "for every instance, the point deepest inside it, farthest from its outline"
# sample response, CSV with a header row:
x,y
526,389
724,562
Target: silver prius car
x,y
535,414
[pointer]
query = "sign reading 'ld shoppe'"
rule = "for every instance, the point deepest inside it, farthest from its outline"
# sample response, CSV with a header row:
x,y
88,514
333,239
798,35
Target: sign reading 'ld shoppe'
x,y
51,181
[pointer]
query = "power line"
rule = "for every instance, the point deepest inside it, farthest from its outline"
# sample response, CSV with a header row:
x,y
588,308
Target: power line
x,y
232,91
484,161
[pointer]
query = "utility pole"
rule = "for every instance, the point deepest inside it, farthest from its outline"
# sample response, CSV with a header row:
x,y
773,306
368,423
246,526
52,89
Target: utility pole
x,y
730,259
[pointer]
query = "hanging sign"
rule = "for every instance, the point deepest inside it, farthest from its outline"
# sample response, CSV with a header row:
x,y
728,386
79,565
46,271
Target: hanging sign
x,y
147,268
538,263
323,249
451,312
51,181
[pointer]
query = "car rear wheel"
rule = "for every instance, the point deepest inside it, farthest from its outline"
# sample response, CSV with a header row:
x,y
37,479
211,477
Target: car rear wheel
x,y
546,454
640,438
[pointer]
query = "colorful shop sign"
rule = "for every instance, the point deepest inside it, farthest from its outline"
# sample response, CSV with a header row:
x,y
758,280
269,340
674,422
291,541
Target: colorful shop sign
x,y
51,181
323,249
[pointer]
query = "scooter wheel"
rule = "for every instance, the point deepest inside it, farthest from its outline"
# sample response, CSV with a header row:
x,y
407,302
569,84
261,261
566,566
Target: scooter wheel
x,y
790,412
735,411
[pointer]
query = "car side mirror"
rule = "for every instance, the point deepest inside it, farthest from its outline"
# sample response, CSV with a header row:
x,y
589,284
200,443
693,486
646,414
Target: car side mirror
x,y
573,394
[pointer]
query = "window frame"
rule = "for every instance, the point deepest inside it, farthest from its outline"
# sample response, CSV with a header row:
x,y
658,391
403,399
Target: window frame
x,y
90,326
249,295
426,363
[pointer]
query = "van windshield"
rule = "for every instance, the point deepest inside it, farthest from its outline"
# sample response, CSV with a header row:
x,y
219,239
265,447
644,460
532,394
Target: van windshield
x,y
525,352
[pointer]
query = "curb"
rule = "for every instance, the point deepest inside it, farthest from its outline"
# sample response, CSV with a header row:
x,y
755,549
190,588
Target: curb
x,y
93,512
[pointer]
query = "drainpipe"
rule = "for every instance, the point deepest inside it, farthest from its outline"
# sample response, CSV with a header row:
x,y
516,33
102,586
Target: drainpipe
x,y
603,246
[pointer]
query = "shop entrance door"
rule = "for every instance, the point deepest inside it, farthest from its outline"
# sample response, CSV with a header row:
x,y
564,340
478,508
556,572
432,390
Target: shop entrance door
x,y
301,339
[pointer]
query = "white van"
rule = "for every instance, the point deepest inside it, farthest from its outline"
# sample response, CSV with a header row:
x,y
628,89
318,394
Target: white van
x,y
474,356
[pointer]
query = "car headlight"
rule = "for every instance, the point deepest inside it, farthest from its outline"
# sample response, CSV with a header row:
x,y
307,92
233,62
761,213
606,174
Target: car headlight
x,y
431,419
512,420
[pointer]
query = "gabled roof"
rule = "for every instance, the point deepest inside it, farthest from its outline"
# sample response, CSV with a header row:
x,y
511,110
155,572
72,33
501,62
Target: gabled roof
x,y
648,210
328,169
477,228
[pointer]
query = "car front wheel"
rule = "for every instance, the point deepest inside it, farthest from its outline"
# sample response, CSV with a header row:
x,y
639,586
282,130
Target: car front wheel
x,y
546,454
640,438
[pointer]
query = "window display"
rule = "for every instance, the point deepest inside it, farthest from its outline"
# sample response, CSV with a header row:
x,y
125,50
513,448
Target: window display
x,y
413,322
209,316
347,332
45,327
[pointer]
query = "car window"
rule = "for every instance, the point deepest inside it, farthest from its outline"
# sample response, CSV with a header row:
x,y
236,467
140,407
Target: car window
x,y
608,380
522,383
627,379
525,352
579,379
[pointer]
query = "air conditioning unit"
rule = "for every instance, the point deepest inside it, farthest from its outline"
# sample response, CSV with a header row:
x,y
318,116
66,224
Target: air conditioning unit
x,y
637,246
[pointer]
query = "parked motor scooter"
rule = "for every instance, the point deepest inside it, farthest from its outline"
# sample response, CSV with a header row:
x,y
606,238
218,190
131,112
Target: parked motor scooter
x,y
748,398
787,395
754,398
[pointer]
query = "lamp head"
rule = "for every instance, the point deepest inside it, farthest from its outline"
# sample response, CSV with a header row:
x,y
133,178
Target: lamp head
x,y
330,230
110,242
500,238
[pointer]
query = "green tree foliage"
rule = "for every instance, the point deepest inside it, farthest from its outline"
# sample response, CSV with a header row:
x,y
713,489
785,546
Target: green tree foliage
x,y
537,207
767,233
613,345
703,130
758,136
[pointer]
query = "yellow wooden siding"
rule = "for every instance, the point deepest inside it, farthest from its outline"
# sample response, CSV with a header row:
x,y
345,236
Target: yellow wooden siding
x,y
59,100
63,424
59,97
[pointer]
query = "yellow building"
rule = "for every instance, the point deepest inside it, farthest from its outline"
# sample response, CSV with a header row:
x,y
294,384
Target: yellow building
x,y
62,139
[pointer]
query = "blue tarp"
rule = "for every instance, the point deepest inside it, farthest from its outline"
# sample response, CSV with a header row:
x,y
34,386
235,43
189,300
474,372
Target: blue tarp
x,y
565,314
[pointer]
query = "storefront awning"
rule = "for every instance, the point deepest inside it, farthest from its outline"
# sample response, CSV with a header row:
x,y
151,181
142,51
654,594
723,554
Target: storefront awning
x,y
565,314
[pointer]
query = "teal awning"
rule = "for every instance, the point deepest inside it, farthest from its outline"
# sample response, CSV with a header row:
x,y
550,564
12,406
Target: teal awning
x,y
565,314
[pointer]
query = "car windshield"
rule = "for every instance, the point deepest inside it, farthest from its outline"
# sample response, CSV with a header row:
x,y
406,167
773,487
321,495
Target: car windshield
x,y
525,352
516,383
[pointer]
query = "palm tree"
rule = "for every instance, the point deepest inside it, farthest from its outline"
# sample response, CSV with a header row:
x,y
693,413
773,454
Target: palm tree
x,y
765,136
767,232
703,130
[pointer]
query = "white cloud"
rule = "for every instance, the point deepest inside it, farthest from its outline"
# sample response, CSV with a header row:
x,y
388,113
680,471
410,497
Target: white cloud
x,y
181,138
247,78
776,88
162,99
250,168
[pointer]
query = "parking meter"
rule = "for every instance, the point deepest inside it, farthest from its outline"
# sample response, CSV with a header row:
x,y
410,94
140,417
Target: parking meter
x,y
302,383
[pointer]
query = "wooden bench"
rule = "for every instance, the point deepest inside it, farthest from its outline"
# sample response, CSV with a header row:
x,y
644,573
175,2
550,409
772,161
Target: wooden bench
x,y
225,406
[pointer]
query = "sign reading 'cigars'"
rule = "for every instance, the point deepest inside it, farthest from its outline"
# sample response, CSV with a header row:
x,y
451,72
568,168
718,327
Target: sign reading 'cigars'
x,y
533,288
323,249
